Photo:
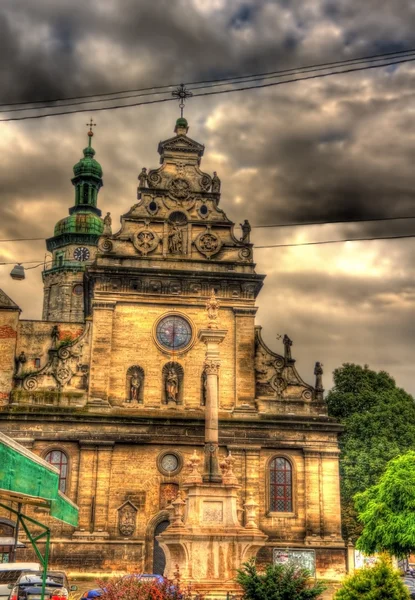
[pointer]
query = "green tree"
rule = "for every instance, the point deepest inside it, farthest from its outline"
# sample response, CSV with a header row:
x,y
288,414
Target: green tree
x,y
379,424
278,582
387,510
379,582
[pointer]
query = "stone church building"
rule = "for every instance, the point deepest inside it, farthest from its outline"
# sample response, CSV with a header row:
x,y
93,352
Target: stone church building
x,y
110,386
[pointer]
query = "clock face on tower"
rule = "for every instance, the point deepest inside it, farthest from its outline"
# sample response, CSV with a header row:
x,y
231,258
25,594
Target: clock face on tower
x,y
81,253
174,332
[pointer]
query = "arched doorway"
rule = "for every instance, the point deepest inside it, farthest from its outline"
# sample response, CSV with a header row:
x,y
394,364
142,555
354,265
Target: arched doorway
x,y
159,559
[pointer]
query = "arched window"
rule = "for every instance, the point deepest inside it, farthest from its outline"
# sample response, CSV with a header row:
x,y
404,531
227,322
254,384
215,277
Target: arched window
x,y
59,460
280,485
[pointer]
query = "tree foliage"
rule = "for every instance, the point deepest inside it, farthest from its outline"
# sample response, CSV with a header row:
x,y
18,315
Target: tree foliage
x,y
278,582
387,510
379,582
379,422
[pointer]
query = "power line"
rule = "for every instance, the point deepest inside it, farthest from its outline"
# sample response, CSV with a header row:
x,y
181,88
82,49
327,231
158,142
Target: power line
x,y
241,89
363,239
213,83
294,224
223,79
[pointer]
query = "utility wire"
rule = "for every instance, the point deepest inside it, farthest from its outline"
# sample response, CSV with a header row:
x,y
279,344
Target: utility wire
x,y
241,89
363,239
224,79
231,81
294,224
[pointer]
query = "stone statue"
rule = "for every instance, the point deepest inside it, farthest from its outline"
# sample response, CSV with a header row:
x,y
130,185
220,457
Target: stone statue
x,y
20,362
143,177
135,385
172,386
54,334
318,372
212,307
107,224
215,183
287,346
246,230
175,240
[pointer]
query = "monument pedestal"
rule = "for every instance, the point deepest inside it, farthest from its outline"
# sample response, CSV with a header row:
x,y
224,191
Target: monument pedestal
x,y
209,544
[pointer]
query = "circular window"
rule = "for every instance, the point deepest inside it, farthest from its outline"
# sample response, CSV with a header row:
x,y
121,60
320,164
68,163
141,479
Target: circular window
x,y
204,209
78,290
174,332
169,463
153,206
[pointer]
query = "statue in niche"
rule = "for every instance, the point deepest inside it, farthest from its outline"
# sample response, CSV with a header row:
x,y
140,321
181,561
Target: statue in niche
x,y
135,385
172,386
143,177
127,519
215,183
54,334
246,231
287,347
318,372
107,224
175,240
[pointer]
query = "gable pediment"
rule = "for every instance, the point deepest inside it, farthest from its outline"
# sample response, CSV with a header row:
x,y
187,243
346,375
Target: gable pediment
x,y
181,143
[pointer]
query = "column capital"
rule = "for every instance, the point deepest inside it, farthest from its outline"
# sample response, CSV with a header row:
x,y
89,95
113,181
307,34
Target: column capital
x,y
211,367
215,336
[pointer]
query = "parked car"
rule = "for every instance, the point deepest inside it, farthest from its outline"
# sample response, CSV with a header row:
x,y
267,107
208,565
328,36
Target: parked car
x,y
29,586
10,573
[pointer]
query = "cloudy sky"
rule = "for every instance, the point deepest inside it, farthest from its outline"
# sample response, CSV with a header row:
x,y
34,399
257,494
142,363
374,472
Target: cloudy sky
x,y
327,149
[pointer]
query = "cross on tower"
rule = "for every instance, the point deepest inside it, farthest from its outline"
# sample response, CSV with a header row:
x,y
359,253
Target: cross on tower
x,y
181,93
91,124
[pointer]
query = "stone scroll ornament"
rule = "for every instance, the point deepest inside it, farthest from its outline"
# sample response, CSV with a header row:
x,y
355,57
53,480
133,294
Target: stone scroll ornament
x,y
208,243
145,240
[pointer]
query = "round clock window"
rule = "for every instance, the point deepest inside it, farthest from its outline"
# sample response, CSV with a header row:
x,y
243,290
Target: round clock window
x,y
81,253
169,462
174,332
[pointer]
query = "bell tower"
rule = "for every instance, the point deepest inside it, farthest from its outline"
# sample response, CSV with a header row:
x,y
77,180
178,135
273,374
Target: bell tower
x,y
74,243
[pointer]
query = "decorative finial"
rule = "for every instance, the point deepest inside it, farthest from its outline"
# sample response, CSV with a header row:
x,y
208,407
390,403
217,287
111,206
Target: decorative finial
x,y
91,124
181,93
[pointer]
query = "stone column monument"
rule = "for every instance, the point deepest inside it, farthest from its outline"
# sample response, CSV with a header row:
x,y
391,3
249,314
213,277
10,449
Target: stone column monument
x,y
205,538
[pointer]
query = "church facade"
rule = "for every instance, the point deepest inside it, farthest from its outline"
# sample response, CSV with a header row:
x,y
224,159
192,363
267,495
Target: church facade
x,y
110,386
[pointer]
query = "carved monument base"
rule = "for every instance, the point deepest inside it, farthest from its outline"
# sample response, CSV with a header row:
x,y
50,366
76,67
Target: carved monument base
x,y
209,544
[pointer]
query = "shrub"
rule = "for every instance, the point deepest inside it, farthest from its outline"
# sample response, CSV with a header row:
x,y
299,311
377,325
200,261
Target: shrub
x,y
278,582
131,587
380,582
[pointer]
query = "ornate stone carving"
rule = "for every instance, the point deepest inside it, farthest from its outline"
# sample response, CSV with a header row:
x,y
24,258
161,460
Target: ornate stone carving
x,y
175,239
212,309
134,385
208,243
105,245
107,224
193,475
154,179
205,182
127,516
146,240
245,253
215,183
143,177
226,466
179,189
250,511
211,367
246,231
278,384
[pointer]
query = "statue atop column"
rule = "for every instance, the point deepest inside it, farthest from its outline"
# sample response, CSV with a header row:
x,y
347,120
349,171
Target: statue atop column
x,y
287,347
246,231
107,224
212,308
318,372
143,177
215,183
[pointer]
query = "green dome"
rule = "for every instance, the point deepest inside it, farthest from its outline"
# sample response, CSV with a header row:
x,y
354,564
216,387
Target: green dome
x,y
88,165
80,222
181,122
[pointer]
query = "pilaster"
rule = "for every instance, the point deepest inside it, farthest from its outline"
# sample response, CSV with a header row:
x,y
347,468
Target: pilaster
x,y
245,355
314,512
101,348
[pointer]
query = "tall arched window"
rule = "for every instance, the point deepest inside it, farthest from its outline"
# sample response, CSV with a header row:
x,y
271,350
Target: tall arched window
x,y
59,460
280,485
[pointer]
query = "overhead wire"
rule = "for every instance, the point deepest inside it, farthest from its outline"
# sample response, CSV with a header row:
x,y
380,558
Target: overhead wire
x,y
209,93
378,56
218,83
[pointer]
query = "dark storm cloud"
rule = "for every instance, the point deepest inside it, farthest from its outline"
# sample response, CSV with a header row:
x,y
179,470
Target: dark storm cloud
x,y
335,148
